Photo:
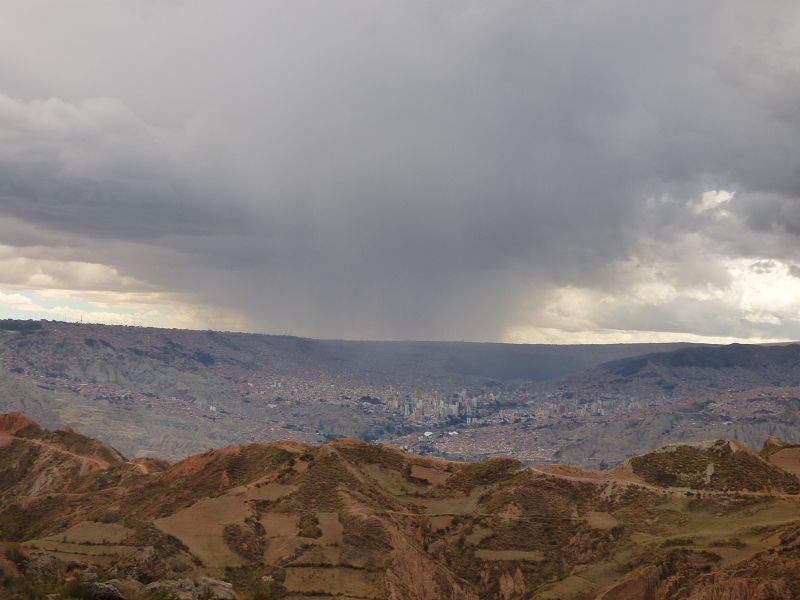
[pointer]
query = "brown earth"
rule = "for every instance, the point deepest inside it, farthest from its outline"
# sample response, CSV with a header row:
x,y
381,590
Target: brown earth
x,y
354,520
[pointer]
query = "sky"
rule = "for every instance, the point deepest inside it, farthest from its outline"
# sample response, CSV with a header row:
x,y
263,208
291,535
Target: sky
x,y
557,171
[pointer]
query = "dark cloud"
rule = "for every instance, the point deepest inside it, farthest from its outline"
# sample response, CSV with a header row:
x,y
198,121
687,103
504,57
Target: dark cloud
x,y
419,170
764,266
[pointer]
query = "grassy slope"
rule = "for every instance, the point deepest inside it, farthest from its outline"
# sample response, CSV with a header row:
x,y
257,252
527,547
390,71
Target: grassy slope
x,y
365,521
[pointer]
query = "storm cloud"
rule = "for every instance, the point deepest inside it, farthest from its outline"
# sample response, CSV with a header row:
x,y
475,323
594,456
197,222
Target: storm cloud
x,y
509,170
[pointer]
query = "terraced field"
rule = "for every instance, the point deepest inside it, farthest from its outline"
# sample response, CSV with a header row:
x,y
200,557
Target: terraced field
x,y
360,521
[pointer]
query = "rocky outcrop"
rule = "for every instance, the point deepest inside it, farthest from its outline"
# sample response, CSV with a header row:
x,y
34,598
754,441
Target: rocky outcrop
x,y
652,583
40,567
744,589
772,444
128,588
181,589
104,591
213,589
512,585
415,575
143,564
204,588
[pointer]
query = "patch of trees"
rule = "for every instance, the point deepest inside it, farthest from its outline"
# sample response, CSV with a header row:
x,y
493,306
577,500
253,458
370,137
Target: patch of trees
x,y
370,400
204,358
23,326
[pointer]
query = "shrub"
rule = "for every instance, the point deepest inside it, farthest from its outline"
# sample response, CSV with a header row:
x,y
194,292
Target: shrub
x,y
309,526
16,554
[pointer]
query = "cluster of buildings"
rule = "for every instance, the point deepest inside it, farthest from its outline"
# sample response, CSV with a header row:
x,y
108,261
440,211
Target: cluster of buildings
x,y
410,401
434,408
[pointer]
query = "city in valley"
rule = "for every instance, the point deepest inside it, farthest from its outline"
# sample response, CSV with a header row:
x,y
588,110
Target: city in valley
x,y
189,390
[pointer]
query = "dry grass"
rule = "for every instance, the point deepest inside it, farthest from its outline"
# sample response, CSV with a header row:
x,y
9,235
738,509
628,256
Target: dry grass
x,y
460,505
279,549
393,481
332,530
278,525
601,520
787,459
334,582
477,535
432,475
201,528
441,522
89,532
367,533
527,555
269,491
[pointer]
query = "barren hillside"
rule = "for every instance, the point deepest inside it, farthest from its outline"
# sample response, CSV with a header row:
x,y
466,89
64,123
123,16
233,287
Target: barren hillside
x,y
354,520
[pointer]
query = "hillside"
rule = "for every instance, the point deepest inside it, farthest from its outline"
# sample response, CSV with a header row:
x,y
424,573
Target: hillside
x,y
603,416
353,520
736,364
169,393
721,465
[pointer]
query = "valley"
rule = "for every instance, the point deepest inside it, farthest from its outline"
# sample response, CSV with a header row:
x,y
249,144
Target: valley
x,y
170,393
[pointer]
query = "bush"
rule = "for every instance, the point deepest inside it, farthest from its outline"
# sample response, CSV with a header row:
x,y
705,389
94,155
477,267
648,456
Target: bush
x,y
245,541
677,542
19,325
16,554
309,526
77,591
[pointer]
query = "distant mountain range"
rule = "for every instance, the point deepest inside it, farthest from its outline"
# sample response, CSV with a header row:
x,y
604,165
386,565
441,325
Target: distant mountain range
x,y
530,362
354,520
163,392
781,362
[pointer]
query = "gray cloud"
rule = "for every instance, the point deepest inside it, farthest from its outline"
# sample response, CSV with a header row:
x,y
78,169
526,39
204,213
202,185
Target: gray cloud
x,y
420,170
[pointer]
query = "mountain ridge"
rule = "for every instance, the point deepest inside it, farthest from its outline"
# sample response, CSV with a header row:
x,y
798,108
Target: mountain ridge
x,y
293,520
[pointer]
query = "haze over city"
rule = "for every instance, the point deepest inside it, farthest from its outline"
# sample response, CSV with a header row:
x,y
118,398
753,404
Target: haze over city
x,y
515,171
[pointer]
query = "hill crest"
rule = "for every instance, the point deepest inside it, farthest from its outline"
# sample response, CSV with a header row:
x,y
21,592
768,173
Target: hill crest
x,y
13,422
354,519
